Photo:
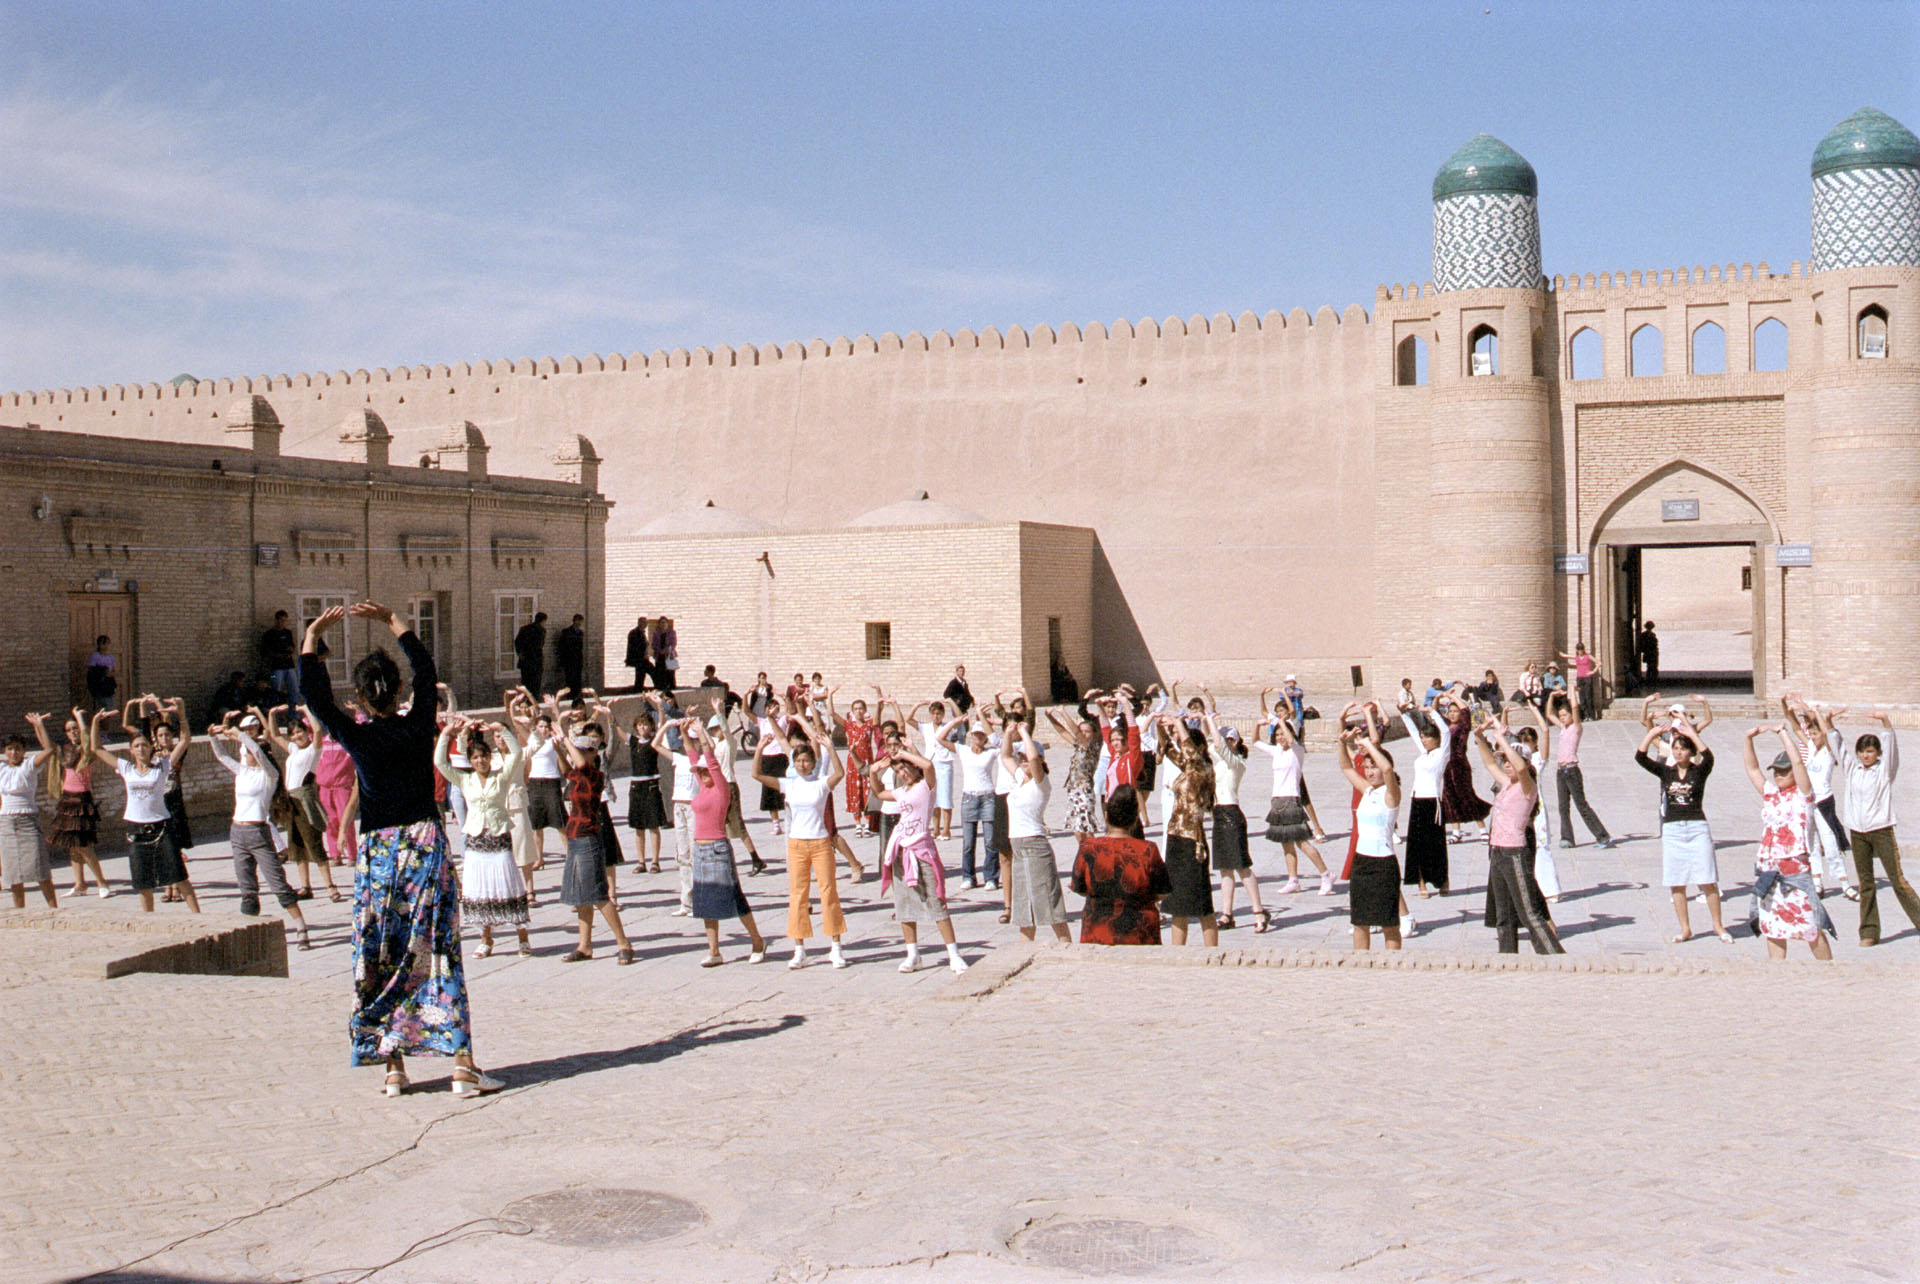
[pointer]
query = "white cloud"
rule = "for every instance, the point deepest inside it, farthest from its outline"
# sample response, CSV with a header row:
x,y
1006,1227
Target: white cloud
x,y
142,238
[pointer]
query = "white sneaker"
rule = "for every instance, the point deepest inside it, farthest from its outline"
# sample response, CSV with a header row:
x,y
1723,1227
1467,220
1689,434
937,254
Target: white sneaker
x,y
1326,883
799,960
837,958
955,962
1291,885
103,892
758,956
912,962
1406,925
681,911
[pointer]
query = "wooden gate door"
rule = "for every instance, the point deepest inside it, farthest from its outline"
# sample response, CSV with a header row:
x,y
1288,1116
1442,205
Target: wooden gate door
x,y
88,616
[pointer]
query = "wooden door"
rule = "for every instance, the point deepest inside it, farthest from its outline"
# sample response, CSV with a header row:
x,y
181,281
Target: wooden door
x,y
88,616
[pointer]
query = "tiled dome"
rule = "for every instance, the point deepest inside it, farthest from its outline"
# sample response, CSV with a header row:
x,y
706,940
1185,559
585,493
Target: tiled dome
x,y
1867,139
1485,164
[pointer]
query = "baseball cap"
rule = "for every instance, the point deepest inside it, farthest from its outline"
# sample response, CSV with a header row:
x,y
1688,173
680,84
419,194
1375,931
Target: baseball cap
x,y
1781,762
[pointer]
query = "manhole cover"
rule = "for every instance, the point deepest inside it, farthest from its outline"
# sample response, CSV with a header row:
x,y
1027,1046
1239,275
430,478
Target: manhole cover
x,y
601,1218
1109,1246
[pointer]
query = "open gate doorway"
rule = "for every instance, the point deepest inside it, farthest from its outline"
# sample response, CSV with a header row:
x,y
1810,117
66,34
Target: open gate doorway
x,y
1706,603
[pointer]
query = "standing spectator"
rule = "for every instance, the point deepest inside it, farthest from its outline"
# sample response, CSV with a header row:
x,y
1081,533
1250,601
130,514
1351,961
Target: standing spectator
x,y
277,653
570,649
101,682
530,653
636,658
1647,648
1582,666
958,693
666,653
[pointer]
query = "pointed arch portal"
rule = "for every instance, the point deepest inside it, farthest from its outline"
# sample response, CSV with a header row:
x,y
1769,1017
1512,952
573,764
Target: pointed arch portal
x,y
1692,550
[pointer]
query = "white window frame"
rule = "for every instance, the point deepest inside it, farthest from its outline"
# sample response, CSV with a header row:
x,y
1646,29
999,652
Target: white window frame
x,y
438,646
505,663
339,641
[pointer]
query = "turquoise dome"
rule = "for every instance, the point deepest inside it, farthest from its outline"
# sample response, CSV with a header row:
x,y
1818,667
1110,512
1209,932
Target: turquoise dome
x,y
1866,138
1485,164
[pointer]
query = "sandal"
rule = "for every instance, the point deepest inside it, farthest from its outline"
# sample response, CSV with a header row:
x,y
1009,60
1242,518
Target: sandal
x,y
468,1081
1225,924
1006,917
395,1084
575,956
1725,936
1680,940
1852,893
526,950
1263,921
712,960
333,894
485,950
623,957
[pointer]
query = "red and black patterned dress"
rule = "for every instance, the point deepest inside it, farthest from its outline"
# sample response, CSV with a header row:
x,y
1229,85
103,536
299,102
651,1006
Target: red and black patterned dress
x,y
862,745
1123,880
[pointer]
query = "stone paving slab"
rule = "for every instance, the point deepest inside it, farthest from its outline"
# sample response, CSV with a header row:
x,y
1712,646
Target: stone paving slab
x,y
1689,1113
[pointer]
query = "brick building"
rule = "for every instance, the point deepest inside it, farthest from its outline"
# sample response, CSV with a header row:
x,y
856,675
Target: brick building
x,y
181,553
1470,476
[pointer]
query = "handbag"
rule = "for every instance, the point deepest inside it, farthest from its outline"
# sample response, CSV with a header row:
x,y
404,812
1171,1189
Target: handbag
x,y
673,663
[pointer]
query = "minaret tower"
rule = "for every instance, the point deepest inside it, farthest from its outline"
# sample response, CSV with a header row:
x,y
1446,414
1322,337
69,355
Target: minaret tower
x,y
1861,372
1490,575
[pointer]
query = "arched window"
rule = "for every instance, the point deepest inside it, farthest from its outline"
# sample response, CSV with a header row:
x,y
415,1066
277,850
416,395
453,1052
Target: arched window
x,y
1586,354
1709,348
1871,337
1483,351
1770,345
1410,362
1648,352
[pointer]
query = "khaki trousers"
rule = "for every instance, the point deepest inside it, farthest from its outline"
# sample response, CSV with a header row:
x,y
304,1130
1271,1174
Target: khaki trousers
x,y
1878,844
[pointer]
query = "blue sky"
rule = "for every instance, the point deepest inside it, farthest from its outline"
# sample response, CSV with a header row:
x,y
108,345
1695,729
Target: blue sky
x,y
254,188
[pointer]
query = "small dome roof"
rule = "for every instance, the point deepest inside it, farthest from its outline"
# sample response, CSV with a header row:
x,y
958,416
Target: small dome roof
x,y
707,519
918,510
1485,164
1868,137
180,379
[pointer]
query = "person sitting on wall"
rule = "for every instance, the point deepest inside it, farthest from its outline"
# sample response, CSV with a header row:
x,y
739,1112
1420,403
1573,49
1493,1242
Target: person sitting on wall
x,y
710,678
231,694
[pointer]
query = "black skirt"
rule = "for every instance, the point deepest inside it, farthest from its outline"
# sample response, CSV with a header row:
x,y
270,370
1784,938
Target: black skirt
x,y
773,765
1373,893
1147,764
1230,840
1426,845
610,836
645,810
177,826
1192,881
546,809
153,860
1287,822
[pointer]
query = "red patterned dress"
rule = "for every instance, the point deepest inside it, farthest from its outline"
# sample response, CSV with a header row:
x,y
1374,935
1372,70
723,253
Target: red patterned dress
x,y
1785,912
863,740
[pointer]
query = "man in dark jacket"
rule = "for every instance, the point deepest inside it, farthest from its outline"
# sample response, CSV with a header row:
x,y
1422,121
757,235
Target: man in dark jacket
x,y
958,693
530,652
570,649
637,658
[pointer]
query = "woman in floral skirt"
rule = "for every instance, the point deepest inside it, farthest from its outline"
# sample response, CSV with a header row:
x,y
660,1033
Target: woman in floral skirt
x,y
410,988
1785,906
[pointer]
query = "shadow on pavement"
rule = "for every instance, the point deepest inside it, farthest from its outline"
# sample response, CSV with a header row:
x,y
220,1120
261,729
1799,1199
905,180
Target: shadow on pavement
x,y
553,1069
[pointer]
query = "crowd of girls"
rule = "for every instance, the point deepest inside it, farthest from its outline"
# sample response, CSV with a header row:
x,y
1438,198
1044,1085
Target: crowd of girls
x,y
376,777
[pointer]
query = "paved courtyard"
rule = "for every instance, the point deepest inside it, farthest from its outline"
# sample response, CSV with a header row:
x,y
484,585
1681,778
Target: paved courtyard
x,y
1642,1111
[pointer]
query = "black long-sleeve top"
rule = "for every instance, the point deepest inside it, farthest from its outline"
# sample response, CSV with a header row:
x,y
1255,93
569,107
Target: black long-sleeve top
x,y
393,757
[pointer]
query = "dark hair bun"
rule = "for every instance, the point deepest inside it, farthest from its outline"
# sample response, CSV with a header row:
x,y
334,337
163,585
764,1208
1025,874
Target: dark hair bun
x,y
377,679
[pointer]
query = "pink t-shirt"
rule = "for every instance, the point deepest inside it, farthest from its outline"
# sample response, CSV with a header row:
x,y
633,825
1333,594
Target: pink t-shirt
x,y
1582,666
1512,809
710,804
1568,754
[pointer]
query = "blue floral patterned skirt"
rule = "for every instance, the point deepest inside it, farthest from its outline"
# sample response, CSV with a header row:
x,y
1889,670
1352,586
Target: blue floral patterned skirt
x,y
409,989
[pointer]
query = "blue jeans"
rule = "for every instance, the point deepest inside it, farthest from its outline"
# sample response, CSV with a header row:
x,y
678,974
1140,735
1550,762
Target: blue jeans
x,y
976,817
287,683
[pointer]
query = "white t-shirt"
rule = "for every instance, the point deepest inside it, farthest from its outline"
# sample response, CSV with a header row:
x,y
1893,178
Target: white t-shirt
x,y
937,750
1026,808
18,786
146,790
1286,768
976,770
300,764
1229,768
544,762
806,806
685,783
253,780
887,780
